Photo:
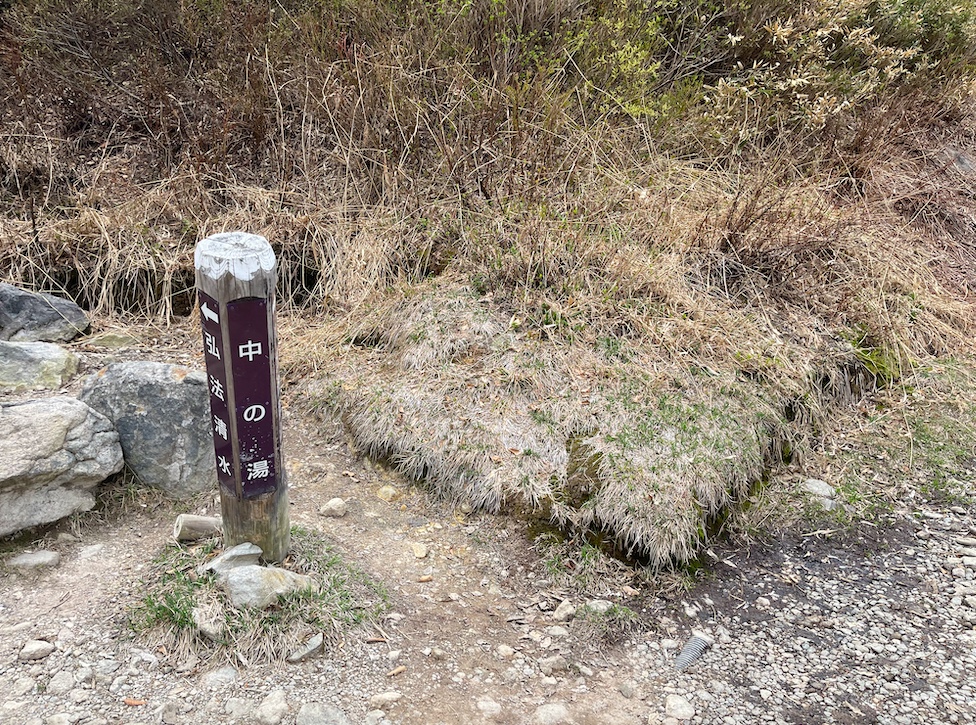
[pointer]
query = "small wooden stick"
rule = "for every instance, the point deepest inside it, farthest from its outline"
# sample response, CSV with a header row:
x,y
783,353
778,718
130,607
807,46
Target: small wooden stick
x,y
189,527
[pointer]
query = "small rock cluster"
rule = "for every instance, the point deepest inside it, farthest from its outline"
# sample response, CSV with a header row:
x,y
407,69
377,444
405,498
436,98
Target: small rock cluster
x,y
54,451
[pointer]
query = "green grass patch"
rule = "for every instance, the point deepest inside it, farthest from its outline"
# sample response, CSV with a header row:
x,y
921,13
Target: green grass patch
x,y
912,441
177,600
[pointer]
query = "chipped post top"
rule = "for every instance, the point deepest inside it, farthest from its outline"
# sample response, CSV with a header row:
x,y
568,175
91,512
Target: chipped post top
x,y
238,262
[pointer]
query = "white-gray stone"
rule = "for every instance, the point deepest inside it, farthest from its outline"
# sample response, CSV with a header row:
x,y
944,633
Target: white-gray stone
x,y
311,649
36,649
488,707
61,683
22,686
169,712
334,508
564,612
112,340
35,365
246,554
678,707
162,414
384,700
318,713
90,551
238,707
53,452
556,663
260,586
552,713
222,677
598,606
37,316
35,560
272,709
206,623
818,488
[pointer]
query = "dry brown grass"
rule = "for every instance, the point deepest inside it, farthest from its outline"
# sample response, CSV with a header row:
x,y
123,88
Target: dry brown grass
x,y
647,391
529,301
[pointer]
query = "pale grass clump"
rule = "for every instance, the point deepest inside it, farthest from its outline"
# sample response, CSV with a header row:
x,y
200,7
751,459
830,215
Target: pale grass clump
x,y
174,599
503,422
654,366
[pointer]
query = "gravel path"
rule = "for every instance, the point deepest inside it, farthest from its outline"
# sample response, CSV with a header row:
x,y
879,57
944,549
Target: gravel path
x,y
817,628
817,631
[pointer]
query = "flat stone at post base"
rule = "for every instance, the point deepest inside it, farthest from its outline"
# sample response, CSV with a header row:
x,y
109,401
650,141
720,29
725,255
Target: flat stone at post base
x,y
245,554
260,586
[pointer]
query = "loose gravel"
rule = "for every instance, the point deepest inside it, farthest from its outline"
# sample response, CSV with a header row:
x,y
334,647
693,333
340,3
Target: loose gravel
x,y
875,626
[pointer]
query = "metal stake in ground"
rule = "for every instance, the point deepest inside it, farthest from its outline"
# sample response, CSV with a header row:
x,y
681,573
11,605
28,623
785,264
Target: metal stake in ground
x,y
236,277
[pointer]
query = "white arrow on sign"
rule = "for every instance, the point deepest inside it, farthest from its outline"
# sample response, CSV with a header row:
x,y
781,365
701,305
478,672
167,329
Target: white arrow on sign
x,y
208,313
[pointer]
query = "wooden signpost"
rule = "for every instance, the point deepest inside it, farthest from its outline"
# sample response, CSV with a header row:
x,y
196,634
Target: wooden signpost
x,y
236,275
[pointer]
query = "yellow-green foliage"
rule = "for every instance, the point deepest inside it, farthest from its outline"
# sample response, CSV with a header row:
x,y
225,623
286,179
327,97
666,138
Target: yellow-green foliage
x,y
819,61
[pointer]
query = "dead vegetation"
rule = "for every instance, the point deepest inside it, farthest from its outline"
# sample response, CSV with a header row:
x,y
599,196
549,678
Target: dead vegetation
x,y
600,262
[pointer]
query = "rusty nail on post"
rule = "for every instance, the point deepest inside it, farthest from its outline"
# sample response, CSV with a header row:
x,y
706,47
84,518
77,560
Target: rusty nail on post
x,y
236,276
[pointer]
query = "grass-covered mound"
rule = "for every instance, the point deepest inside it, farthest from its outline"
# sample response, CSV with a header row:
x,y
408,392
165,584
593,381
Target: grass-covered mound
x,y
610,262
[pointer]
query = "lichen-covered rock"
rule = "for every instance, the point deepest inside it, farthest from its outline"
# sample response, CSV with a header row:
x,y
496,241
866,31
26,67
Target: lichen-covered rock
x,y
260,586
53,452
32,365
38,317
162,414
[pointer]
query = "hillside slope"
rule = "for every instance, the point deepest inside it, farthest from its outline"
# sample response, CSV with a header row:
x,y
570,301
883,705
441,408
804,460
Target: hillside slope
x,y
612,264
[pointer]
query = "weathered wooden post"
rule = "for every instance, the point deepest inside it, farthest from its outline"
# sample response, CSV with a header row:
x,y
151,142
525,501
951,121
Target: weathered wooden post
x,y
236,275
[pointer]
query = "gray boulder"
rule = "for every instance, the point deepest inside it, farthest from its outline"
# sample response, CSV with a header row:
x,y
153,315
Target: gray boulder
x,y
53,452
32,317
162,414
30,365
